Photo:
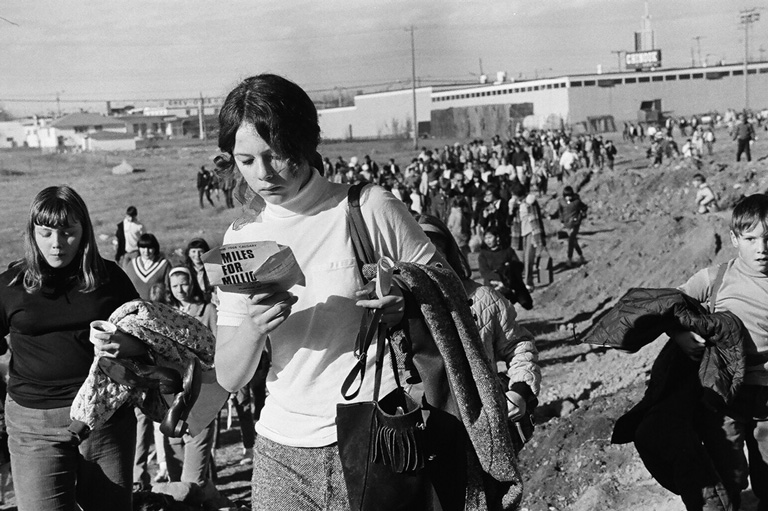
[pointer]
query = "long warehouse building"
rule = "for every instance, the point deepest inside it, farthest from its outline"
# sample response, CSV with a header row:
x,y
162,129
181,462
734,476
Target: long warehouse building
x,y
592,101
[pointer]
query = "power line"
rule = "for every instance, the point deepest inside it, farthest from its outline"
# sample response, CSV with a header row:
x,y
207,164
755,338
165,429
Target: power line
x,y
9,21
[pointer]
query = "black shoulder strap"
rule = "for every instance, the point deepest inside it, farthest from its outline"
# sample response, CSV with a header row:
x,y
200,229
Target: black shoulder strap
x,y
361,240
716,285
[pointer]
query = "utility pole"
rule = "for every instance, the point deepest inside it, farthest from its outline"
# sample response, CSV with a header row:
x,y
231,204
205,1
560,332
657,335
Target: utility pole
x,y
481,66
747,17
698,48
413,92
201,118
618,56
58,103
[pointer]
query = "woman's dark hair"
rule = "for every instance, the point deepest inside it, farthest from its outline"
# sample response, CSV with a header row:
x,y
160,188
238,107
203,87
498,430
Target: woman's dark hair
x,y
148,240
57,207
439,234
195,243
196,294
492,189
280,111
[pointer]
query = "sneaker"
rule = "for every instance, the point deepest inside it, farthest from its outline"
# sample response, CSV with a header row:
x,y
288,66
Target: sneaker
x,y
569,263
582,260
247,457
162,474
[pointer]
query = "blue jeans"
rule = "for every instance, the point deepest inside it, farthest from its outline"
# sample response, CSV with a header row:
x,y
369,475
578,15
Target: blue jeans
x,y
745,422
189,459
529,259
144,438
573,241
50,473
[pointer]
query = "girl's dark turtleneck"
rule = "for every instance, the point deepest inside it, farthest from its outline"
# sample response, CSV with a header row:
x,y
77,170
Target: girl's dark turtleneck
x,y
60,280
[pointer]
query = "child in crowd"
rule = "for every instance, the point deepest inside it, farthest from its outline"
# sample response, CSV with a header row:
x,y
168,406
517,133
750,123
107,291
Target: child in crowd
x,y
190,457
494,260
501,270
706,202
527,230
744,292
572,211
460,222
508,344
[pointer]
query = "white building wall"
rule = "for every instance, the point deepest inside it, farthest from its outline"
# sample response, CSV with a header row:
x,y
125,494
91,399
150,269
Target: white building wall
x,y
388,114
12,134
47,137
679,97
549,98
385,114
336,123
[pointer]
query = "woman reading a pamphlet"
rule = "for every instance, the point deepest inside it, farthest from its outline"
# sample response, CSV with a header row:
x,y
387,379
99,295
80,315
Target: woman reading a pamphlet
x,y
269,132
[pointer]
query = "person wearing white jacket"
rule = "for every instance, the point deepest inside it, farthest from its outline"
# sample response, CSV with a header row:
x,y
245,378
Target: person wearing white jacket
x,y
508,344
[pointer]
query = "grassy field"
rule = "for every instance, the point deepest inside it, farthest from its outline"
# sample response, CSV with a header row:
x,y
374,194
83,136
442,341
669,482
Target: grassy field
x,y
165,195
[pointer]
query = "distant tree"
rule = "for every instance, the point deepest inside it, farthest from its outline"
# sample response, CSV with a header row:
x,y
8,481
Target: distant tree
x,y
5,115
408,128
395,127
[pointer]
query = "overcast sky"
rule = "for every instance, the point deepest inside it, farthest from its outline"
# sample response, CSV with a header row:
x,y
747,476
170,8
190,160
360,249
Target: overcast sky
x,y
140,49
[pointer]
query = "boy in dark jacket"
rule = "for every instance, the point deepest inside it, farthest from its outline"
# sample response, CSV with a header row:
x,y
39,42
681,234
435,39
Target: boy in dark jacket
x,y
572,211
743,291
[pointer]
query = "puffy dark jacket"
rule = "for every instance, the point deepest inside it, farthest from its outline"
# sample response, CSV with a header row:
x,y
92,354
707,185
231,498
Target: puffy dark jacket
x,y
573,212
641,315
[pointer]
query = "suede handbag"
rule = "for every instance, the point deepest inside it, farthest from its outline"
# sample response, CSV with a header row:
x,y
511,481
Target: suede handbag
x,y
381,442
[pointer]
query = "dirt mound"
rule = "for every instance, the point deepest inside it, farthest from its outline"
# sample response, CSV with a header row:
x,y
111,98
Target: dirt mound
x,y
642,231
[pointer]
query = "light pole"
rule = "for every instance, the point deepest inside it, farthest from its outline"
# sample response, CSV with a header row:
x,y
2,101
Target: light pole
x,y
413,92
618,56
698,49
58,102
747,17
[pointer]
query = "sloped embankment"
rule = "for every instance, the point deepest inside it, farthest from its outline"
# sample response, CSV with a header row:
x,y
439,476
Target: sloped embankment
x,y
646,240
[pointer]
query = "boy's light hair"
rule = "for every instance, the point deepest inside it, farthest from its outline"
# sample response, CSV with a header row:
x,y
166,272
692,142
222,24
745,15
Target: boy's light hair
x,y
748,212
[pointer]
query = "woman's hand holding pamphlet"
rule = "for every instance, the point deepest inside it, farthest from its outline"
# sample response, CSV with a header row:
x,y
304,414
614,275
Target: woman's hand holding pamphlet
x,y
249,267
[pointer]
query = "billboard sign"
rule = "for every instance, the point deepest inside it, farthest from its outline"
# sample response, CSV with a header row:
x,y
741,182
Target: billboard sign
x,y
643,59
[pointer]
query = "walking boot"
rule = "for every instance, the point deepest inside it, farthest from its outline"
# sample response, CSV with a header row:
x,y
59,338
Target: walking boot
x,y
175,421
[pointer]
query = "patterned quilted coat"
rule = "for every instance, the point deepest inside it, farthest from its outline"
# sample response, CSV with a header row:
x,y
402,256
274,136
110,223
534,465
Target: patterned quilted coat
x,y
504,340
173,339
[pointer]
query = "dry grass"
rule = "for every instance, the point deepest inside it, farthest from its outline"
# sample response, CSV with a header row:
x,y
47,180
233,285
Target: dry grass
x,y
165,195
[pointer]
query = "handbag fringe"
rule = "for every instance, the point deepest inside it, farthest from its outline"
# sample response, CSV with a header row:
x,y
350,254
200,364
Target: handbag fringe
x,y
401,448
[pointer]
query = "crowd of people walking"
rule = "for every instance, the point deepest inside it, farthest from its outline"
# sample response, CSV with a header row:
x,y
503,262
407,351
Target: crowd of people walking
x,y
285,354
